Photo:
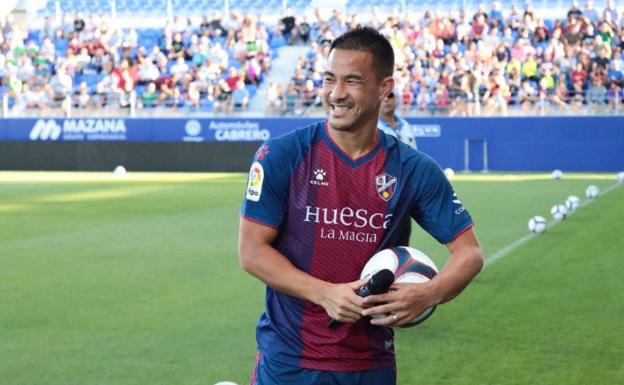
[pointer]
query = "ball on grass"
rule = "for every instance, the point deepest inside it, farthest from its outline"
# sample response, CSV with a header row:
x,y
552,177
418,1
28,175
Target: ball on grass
x,y
559,212
592,192
572,203
119,170
537,224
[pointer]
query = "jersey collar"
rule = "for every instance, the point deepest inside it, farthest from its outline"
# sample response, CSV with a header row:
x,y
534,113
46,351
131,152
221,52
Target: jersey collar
x,y
344,156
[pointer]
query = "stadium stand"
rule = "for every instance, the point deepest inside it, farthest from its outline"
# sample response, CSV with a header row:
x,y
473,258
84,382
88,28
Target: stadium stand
x,y
490,62
454,58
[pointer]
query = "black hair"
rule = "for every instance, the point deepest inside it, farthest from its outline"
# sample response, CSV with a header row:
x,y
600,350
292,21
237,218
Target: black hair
x,y
367,39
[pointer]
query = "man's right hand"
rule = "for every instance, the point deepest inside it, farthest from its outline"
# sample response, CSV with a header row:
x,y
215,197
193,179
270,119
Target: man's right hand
x,y
341,301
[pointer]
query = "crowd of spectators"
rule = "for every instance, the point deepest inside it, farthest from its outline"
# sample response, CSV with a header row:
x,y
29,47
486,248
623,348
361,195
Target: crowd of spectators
x,y
85,62
483,63
451,63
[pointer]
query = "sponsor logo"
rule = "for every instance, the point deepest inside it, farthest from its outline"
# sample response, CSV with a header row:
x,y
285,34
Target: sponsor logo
x,y
347,223
238,131
456,200
319,178
79,129
386,185
256,178
193,129
347,216
426,130
46,130
388,344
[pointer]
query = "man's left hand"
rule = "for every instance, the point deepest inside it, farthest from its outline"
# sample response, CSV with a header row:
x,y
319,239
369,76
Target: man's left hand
x,y
402,303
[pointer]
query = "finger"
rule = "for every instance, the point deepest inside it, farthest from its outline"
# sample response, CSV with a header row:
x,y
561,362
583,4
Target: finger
x,y
357,284
350,307
379,298
391,320
380,309
347,316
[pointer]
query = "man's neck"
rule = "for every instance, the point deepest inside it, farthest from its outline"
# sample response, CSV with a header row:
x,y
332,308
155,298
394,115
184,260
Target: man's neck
x,y
355,143
390,119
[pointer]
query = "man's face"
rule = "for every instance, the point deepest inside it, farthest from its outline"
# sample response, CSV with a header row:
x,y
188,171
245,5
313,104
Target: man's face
x,y
352,92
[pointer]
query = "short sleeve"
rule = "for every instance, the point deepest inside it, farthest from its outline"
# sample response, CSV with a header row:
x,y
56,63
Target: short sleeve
x,y
436,207
266,194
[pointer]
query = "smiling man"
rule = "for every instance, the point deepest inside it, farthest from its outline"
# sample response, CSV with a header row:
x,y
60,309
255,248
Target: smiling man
x,y
319,203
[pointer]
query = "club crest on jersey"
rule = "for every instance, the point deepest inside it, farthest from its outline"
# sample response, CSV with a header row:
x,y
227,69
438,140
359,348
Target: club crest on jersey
x,y
262,152
386,185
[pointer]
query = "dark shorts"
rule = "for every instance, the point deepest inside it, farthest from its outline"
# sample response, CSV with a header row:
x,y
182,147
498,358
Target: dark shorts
x,y
270,372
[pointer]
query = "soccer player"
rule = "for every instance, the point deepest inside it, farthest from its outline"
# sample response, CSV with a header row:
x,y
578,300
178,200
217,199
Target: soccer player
x,y
319,203
392,124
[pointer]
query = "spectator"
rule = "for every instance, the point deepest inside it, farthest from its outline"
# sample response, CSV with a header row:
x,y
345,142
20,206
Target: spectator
x,y
596,94
240,96
124,77
288,26
61,86
180,68
274,99
234,76
589,11
614,97
193,96
27,98
149,97
292,102
148,71
615,74
82,98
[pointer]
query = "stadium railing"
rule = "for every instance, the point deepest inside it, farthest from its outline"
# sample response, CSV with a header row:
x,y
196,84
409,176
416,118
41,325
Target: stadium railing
x,y
610,105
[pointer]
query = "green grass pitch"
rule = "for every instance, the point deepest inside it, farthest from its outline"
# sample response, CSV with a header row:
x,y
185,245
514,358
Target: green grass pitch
x,y
135,280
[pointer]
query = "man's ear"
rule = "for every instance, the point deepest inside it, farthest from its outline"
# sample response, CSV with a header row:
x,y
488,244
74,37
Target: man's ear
x,y
387,85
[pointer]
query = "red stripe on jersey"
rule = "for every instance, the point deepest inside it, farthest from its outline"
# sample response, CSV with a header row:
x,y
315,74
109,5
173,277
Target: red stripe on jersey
x,y
343,243
463,231
255,372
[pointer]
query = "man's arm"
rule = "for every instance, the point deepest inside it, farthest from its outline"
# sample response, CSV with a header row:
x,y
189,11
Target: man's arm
x,y
407,301
259,258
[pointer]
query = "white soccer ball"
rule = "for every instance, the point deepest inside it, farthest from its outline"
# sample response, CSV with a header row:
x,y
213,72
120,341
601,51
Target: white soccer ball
x,y
572,203
592,192
409,266
537,224
557,174
226,383
559,212
449,173
621,177
119,170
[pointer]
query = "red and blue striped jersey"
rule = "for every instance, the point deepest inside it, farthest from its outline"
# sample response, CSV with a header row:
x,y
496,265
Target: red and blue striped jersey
x,y
333,213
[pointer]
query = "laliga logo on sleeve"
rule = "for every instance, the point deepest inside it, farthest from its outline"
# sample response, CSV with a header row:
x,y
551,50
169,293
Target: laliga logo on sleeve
x,y
256,177
386,185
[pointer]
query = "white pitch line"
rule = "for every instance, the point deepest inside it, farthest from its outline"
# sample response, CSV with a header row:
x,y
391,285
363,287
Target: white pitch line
x,y
521,241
